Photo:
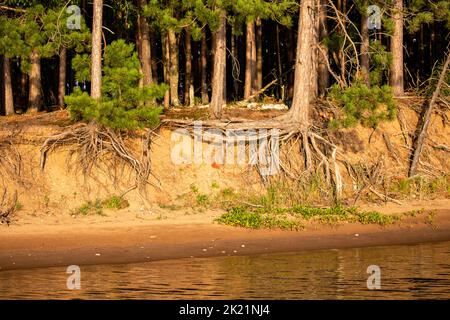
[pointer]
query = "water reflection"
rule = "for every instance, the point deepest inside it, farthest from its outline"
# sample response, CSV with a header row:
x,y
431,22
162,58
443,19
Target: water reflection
x,y
407,272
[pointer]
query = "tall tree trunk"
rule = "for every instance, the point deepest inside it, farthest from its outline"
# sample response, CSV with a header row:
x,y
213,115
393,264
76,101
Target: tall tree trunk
x,y
259,55
173,68
23,85
62,76
291,64
139,51
304,65
96,68
365,45
188,86
35,94
234,53
250,63
146,53
220,69
322,69
154,55
8,93
166,63
204,62
396,76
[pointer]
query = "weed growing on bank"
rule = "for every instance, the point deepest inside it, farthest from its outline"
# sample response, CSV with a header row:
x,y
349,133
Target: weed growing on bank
x,y
96,207
294,218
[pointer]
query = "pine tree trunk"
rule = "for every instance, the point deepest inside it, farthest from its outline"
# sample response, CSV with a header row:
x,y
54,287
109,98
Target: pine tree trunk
x,y
219,72
188,87
166,60
365,45
35,94
250,57
234,53
8,93
304,65
146,53
96,68
62,76
139,51
322,68
173,68
154,56
259,55
291,64
396,75
204,62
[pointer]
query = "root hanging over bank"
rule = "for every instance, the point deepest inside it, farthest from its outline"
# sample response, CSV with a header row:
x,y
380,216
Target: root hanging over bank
x,y
8,206
10,161
92,144
302,152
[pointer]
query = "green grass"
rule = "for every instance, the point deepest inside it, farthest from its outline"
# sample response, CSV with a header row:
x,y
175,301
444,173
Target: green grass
x,y
202,199
90,208
96,207
116,203
295,217
18,206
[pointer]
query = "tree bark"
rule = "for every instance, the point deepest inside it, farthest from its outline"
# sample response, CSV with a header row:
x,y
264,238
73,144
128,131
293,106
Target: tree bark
x,y
188,86
62,76
154,55
234,53
365,45
304,65
173,68
426,119
204,62
35,94
259,55
250,60
96,68
322,68
145,49
396,74
8,93
220,69
166,60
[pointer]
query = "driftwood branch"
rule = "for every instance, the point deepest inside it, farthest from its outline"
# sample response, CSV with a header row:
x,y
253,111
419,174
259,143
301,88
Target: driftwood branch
x,y
424,124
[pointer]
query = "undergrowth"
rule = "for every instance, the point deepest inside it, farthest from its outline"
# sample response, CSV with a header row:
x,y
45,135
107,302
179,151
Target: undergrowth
x,y
294,218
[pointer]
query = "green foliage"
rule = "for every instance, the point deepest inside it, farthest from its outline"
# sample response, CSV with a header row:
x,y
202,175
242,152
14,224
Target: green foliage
x,y
124,105
380,60
116,203
363,105
41,29
294,218
421,187
426,12
90,208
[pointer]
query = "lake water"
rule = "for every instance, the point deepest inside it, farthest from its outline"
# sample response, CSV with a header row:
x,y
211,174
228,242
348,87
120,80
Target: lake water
x,y
407,272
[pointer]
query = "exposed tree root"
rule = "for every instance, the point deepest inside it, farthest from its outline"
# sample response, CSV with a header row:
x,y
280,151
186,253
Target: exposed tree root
x,y
92,144
10,161
302,150
7,207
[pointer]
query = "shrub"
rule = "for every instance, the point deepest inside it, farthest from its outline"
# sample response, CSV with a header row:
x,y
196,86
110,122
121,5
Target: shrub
x,y
363,105
124,105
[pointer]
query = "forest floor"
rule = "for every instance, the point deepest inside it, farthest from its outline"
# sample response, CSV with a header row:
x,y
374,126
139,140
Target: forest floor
x,y
51,229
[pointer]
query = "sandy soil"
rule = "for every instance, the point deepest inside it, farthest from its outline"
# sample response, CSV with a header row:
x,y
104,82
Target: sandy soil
x,y
129,237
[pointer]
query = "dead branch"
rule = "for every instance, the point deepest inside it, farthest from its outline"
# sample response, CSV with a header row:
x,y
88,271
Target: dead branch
x,y
423,126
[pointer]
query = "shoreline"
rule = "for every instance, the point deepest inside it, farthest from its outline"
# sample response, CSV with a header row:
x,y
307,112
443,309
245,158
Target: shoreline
x,y
64,245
